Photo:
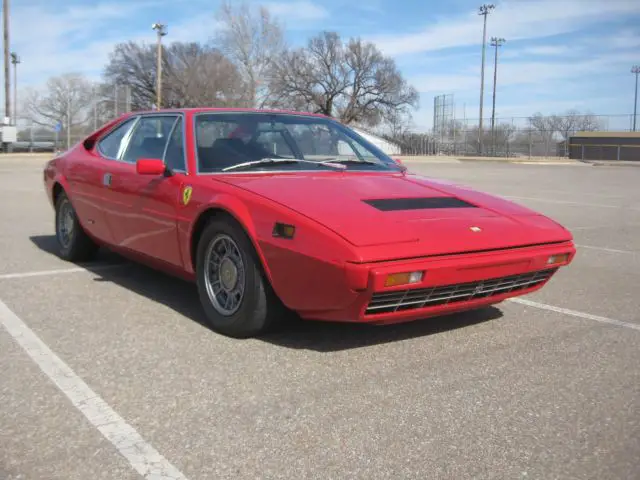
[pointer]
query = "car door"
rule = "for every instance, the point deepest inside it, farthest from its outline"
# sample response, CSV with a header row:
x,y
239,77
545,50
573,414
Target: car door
x,y
143,209
87,176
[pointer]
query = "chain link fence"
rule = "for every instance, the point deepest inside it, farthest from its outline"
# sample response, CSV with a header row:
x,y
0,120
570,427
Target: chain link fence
x,y
541,136
510,137
55,132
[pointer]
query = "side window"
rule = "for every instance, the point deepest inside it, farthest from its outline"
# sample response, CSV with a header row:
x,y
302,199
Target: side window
x,y
149,138
110,145
174,155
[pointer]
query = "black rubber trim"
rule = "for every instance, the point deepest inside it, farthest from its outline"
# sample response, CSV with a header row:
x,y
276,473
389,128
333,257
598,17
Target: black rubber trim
x,y
398,204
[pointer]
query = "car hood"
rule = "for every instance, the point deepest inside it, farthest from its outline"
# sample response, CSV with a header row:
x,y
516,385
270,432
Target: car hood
x,y
378,209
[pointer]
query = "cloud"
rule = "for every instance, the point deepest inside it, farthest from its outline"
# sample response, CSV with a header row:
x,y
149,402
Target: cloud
x,y
301,10
79,38
513,20
522,73
540,50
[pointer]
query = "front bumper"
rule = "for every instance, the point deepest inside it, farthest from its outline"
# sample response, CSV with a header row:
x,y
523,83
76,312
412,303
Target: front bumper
x,y
450,284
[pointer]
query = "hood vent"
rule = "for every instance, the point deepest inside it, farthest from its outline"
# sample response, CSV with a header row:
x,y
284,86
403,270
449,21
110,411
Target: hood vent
x,y
399,204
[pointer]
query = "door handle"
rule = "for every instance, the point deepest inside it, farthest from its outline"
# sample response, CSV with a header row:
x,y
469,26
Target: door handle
x,y
106,179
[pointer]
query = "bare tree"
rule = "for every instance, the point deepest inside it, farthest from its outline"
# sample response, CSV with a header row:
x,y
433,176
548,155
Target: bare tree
x,y
571,122
589,123
252,40
545,127
354,82
193,75
134,64
502,137
201,76
397,124
64,99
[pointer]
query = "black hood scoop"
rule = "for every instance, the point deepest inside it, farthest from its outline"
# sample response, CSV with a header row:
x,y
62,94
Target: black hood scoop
x,y
399,204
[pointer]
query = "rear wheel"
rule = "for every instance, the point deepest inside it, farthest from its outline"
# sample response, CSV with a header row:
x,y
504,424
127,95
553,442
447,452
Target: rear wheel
x,y
235,294
74,244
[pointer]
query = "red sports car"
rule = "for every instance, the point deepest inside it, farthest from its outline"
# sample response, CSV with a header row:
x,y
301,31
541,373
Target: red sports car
x,y
270,212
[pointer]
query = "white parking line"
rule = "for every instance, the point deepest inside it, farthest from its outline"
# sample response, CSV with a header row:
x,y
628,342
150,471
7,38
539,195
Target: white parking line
x,y
40,273
604,249
141,455
575,313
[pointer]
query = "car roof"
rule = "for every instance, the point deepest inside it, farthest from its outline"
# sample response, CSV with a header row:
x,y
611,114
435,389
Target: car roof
x,y
227,110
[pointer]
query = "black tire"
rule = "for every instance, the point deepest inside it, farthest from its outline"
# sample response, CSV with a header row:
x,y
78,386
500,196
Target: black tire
x,y
259,310
79,247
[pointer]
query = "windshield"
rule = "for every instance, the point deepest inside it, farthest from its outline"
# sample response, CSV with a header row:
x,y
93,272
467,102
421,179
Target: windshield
x,y
234,142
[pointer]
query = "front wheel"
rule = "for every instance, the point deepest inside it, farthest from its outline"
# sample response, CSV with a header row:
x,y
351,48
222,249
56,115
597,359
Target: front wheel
x,y
74,244
235,294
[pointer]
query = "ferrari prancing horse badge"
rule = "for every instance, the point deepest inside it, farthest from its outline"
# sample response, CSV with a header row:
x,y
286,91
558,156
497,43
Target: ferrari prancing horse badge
x,y
186,194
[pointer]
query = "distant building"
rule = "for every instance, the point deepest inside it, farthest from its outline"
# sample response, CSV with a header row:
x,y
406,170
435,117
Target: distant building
x,y
624,146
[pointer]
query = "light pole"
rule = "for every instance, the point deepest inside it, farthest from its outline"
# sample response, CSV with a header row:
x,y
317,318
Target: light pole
x,y
15,60
161,30
635,70
7,79
495,42
484,11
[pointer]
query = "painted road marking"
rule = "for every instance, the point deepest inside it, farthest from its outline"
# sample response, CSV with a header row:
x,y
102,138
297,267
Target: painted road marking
x,y
141,455
575,313
604,249
6,276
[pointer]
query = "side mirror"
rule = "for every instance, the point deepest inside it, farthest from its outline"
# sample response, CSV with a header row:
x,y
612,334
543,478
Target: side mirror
x,y
150,166
402,166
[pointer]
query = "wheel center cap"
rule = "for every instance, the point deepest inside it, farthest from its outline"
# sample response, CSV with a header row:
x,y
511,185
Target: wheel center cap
x,y
228,274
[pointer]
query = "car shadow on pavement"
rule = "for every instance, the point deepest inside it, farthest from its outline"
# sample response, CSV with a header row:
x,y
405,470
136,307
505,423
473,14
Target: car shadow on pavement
x,y
182,297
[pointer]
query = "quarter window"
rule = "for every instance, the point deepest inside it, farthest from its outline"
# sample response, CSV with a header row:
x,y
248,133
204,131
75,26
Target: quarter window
x,y
149,138
174,155
111,144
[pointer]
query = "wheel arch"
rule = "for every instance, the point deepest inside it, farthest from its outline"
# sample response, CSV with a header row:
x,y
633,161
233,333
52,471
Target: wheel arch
x,y
237,213
58,186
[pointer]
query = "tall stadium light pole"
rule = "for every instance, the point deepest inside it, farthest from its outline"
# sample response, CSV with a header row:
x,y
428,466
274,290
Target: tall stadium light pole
x,y
496,43
15,60
161,30
635,70
7,79
484,11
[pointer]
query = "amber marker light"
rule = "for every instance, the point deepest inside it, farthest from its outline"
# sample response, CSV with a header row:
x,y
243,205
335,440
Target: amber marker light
x,y
555,259
405,278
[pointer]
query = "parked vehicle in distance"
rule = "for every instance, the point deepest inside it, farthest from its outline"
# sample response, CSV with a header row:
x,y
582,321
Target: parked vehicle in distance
x,y
271,212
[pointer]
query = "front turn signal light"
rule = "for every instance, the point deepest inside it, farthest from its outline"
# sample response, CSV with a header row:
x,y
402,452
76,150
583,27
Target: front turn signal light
x,y
561,258
405,278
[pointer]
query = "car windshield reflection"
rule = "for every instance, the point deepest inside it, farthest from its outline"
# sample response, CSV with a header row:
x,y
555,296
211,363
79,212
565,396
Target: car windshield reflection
x,y
271,142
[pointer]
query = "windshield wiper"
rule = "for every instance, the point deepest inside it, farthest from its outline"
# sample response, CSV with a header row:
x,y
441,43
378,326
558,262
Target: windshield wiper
x,y
349,160
273,161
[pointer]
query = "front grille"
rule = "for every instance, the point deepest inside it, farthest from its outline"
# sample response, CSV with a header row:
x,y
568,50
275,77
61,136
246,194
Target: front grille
x,y
399,300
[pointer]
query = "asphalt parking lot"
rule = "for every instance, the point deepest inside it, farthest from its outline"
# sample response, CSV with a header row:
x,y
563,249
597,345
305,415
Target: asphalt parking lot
x,y
107,372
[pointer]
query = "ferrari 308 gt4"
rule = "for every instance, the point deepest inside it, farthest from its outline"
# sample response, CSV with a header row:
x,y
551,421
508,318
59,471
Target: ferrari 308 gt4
x,y
274,212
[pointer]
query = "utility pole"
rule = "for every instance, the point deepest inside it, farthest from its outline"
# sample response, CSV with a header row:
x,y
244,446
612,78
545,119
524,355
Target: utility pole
x,y
495,42
15,60
69,119
161,30
635,70
7,79
484,11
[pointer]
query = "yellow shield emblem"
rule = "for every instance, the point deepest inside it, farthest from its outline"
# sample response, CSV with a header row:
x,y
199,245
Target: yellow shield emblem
x,y
186,194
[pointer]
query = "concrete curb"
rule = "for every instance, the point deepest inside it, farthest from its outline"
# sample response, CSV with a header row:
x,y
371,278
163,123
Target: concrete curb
x,y
613,163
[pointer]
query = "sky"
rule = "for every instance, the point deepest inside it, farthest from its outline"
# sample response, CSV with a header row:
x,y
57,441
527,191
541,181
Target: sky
x,y
558,54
